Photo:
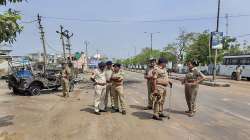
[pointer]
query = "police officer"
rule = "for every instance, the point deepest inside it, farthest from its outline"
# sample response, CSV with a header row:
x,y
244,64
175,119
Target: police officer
x,y
65,75
148,76
71,76
99,79
108,73
238,71
117,78
191,81
159,84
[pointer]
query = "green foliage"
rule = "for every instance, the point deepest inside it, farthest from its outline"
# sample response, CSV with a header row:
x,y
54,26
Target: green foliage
x,y
199,48
4,2
9,26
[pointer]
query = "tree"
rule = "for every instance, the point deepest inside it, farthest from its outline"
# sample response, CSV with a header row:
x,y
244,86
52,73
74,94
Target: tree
x,y
9,27
199,48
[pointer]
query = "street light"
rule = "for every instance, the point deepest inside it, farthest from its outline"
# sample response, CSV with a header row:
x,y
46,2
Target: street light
x,y
151,40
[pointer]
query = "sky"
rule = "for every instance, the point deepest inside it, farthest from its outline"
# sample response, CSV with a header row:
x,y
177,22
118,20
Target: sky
x,y
116,27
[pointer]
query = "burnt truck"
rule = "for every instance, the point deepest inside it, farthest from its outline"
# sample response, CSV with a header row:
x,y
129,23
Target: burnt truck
x,y
31,79
27,83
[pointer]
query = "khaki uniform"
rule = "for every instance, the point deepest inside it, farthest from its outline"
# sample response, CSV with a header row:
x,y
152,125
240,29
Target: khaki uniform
x,y
100,89
65,81
108,74
148,72
191,90
159,100
117,89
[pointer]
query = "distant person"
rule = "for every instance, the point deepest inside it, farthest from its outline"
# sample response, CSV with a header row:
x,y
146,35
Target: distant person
x,y
191,81
108,74
65,74
238,72
159,84
210,69
117,79
99,79
148,75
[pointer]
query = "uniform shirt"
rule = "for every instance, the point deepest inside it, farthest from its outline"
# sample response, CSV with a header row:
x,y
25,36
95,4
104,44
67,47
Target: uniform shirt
x,y
99,76
160,74
149,71
120,75
66,72
194,74
108,74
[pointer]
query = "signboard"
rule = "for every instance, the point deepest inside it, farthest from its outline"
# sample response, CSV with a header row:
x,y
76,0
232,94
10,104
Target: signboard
x,y
216,40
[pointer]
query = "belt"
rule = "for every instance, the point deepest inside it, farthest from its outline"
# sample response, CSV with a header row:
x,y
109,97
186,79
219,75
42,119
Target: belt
x,y
161,85
100,84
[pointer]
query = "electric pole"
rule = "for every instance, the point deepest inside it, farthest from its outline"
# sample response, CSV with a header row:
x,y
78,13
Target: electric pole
x,y
151,41
86,50
227,24
62,38
43,41
68,45
216,50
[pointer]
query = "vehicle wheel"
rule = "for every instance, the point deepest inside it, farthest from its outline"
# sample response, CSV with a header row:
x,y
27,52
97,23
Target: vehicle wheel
x,y
233,76
35,90
71,87
15,91
248,78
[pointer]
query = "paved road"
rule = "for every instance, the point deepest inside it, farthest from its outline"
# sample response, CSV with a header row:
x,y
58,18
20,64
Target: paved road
x,y
223,114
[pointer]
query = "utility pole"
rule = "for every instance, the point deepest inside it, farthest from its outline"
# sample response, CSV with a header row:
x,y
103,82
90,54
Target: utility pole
x,y
62,38
135,50
86,50
43,42
216,50
227,24
151,41
68,45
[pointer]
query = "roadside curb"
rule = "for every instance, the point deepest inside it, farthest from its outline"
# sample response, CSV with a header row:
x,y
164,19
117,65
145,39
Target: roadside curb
x,y
215,84
206,83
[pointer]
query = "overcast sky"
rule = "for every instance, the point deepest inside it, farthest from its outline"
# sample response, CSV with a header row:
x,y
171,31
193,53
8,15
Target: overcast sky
x,y
118,39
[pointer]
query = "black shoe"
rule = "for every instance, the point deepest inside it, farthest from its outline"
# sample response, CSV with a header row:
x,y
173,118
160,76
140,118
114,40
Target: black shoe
x,y
97,113
163,115
148,108
124,112
191,114
103,110
157,118
116,110
188,111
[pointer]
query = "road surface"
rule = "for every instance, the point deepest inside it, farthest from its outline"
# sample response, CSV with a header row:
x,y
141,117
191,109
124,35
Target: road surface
x,y
223,114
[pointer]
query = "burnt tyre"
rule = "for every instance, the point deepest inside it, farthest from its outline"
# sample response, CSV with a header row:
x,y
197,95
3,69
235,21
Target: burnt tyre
x,y
35,90
233,76
71,87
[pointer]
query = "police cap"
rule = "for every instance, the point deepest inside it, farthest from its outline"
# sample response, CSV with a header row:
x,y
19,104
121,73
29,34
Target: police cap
x,y
101,64
109,63
162,60
117,65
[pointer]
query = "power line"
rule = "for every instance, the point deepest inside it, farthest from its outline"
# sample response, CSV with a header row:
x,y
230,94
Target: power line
x,y
144,21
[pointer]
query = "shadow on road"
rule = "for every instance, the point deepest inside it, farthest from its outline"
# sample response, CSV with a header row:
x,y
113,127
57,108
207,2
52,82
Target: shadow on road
x,y
6,120
177,112
137,107
142,115
129,82
89,110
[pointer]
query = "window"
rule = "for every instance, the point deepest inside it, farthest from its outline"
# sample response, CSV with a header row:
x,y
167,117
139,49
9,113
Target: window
x,y
235,61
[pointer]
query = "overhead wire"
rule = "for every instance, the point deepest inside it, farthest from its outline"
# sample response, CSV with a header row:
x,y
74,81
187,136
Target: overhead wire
x,y
142,21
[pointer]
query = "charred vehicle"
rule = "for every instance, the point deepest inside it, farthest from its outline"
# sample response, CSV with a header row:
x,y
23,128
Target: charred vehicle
x,y
24,80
